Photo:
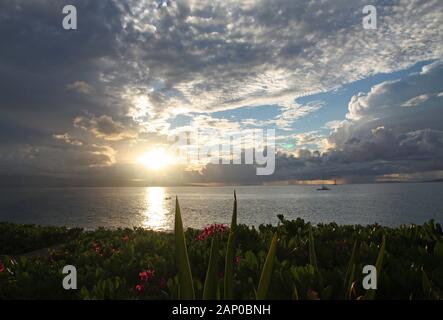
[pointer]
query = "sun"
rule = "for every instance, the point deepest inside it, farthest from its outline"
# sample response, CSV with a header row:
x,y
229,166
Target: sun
x,y
155,159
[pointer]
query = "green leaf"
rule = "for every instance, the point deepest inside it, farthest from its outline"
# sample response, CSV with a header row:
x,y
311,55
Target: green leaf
x,y
295,295
313,257
230,256
265,279
326,293
426,284
182,260
350,273
370,294
438,249
84,294
211,281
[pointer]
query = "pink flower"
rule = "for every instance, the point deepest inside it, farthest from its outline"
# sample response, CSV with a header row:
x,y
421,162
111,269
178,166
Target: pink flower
x,y
125,238
237,260
312,295
2,267
162,283
211,230
146,275
140,288
97,248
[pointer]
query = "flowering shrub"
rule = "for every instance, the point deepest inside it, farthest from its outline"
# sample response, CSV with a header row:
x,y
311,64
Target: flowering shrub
x,y
146,275
140,288
140,264
211,230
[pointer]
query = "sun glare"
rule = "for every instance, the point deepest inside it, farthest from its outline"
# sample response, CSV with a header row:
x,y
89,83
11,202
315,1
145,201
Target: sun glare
x,y
155,159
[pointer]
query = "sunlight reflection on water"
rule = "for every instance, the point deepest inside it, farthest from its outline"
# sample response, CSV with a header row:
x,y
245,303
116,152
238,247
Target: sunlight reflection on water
x,y
156,215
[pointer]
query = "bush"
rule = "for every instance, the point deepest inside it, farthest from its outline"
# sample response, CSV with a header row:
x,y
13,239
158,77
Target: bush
x,y
311,262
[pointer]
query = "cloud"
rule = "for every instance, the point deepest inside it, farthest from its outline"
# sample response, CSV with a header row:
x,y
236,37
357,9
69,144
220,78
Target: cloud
x,y
384,107
381,136
380,139
81,87
104,127
64,159
208,56
89,159
133,66
66,137
334,124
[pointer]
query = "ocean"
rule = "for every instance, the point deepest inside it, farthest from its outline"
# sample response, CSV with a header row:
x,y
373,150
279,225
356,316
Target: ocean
x,y
153,207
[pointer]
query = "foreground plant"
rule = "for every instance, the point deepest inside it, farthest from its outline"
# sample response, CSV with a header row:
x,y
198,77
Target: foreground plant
x,y
186,286
409,262
370,294
265,278
210,289
230,255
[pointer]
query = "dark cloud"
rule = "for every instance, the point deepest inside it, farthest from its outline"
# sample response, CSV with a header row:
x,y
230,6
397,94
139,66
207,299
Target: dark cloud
x,y
383,135
104,127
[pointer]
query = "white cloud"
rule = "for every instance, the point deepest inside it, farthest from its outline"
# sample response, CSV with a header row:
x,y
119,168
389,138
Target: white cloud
x,y
380,127
222,55
416,101
332,125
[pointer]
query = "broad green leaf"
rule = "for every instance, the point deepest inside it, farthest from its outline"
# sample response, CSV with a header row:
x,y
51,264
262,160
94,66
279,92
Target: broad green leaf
x,y
211,281
182,260
265,279
230,256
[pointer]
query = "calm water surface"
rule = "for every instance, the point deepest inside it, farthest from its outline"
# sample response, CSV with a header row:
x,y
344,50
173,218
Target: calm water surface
x,y
153,207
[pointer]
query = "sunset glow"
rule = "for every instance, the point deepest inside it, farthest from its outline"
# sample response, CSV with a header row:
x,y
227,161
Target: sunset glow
x,y
156,159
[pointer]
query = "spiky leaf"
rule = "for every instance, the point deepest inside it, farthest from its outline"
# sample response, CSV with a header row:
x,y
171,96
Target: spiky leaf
x,y
265,279
211,281
181,255
230,255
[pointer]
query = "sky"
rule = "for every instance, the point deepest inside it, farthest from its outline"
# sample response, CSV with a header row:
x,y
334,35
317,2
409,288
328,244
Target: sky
x,y
96,105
